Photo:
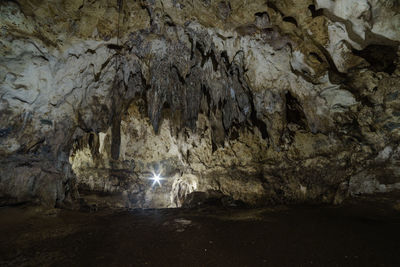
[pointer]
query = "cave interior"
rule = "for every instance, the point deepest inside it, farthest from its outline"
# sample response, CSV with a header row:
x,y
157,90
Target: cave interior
x,y
200,132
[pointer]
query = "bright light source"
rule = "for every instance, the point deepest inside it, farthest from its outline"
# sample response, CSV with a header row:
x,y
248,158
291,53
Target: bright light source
x,y
156,179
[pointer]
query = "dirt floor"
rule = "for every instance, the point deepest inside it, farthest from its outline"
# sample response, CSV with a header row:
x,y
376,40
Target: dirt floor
x,y
356,234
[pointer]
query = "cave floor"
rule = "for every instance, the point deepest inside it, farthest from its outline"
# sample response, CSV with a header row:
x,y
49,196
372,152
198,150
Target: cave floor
x,y
356,234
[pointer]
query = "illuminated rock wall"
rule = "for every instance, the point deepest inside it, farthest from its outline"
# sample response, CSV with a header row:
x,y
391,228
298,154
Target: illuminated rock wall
x,y
264,103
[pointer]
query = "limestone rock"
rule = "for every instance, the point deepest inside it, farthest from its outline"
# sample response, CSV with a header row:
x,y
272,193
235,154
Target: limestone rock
x,y
262,103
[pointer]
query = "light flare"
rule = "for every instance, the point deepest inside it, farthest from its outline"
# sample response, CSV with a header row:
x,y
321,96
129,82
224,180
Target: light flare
x,y
156,179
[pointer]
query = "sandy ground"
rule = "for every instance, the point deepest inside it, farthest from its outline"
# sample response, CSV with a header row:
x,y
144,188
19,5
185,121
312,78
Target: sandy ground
x,y
362,233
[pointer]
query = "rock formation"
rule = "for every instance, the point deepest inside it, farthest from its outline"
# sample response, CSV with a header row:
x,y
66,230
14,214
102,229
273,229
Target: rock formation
x,y
261,102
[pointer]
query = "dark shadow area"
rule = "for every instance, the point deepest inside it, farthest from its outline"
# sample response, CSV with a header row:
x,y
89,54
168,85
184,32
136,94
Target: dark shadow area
x,y
359,233
294,112
315,13
291,20
381,57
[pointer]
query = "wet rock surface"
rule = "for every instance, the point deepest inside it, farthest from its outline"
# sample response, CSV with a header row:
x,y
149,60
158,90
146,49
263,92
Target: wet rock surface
x,y
362,233
264,103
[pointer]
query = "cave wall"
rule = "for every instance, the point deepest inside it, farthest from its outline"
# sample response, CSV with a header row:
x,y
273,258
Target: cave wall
x,y
264,102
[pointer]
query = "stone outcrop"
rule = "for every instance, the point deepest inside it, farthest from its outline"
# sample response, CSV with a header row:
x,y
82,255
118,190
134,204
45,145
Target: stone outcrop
x,y
265,102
